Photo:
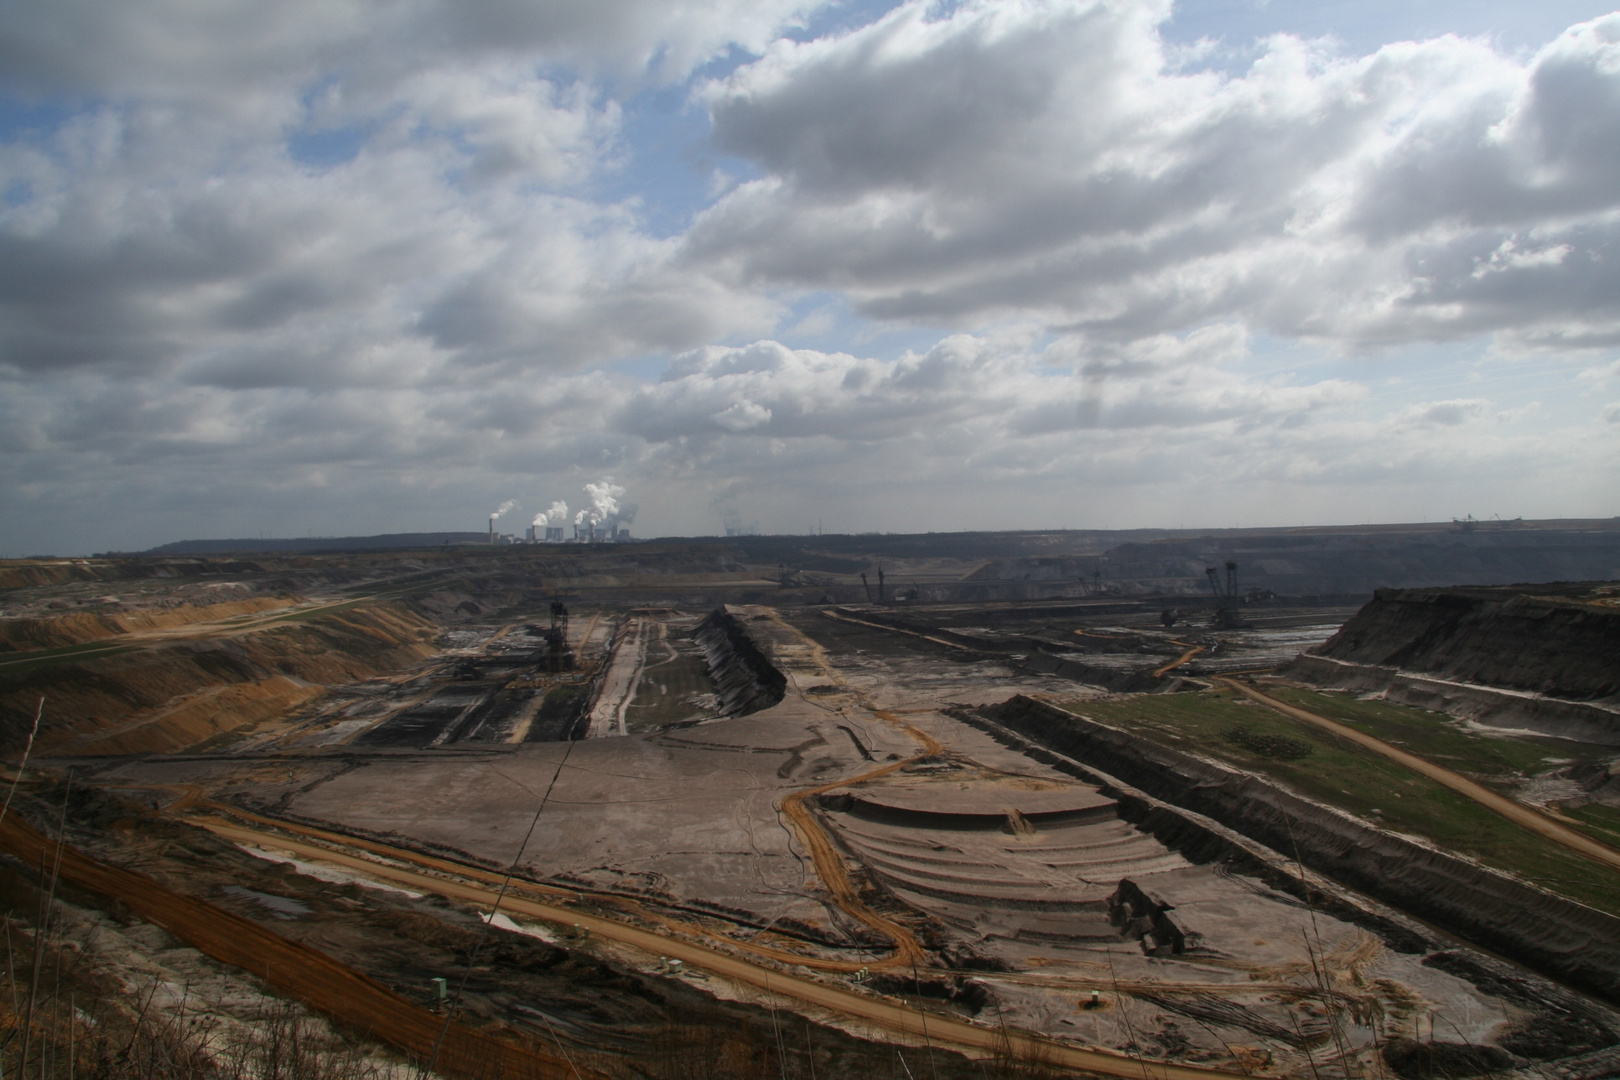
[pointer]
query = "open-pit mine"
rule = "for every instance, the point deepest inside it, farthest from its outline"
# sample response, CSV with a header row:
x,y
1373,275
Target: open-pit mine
x,y
1156,806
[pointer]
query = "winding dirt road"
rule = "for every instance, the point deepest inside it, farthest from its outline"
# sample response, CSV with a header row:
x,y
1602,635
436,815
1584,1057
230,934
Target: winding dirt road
x,y
1518,813
470,886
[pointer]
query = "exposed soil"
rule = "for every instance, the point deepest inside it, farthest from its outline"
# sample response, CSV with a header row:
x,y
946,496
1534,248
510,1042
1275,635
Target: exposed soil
x,y
1562,640
703,819
1568,941
366,957
170,696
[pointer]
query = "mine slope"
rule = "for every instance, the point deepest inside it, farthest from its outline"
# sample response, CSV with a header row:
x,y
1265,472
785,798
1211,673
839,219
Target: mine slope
x,y
1562,640
1544,658
1568,941
774,786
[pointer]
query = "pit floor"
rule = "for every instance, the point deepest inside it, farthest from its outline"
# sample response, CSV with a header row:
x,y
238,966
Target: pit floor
x,y
688,816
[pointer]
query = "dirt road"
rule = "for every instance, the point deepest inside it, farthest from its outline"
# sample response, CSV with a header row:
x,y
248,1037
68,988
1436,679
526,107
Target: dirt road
x,y
296,970
834,872
958,646
465,885
1518,813
321,849
619,684
1192,651
231,626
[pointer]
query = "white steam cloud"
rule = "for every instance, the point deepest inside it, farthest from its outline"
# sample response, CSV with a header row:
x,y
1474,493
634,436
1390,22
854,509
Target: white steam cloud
x,y
505,507
606,509
557,515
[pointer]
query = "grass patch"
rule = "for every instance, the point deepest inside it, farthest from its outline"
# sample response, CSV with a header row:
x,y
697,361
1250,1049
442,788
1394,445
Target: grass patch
x,y
1441,739
1600,821
1499,762
1339,773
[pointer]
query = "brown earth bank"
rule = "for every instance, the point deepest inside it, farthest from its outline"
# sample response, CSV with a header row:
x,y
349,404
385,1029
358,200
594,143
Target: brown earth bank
x,y
302,972
168,697
1543,658
365,957
33,573
1561,639
1566,941
73,629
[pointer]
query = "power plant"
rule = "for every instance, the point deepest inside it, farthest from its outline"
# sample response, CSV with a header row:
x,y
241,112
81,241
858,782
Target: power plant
x,y
605,520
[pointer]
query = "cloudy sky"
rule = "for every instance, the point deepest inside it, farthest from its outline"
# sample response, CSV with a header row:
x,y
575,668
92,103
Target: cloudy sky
x,y
327,267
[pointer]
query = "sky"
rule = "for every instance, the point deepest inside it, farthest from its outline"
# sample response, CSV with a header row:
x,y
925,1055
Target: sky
x,y
342,267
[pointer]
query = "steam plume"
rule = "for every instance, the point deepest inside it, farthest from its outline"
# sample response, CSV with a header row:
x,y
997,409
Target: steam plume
x,y
606,509
557,515
504,508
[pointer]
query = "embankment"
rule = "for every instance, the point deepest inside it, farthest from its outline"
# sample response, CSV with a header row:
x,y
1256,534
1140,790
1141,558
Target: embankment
x,y
20,635
1542,657
1034,653
744,678
310,976
174,696
1582,721
1567,941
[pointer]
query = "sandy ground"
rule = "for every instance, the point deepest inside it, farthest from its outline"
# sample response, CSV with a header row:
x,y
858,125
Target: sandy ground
x,y
692,820
691,816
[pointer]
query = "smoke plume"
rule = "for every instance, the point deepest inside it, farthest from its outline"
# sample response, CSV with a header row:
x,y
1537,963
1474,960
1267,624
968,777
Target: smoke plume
x,y
557,515
606,511
504,508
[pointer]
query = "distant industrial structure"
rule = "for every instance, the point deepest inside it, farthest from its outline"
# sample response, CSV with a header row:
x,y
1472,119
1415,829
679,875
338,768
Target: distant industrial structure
x,y
605,521
1226,596
585,532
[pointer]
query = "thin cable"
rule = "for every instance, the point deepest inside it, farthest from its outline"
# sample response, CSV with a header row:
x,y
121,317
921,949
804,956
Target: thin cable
x,y
15,780
472,958
929,1043
561,1048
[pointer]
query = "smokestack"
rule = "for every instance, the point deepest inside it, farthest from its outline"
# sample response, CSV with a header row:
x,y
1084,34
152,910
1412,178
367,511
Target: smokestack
x,y
503,508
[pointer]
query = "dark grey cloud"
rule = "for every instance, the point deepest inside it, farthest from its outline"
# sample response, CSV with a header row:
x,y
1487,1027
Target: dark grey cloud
x,y
228,54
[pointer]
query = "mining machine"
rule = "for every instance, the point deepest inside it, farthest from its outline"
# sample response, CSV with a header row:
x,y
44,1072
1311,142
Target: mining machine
x,y
1226,596
559,654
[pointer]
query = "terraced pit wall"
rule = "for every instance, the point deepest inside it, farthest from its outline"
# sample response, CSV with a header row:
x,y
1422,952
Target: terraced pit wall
x,y
21,635
745,680
182,695
1564,940
1033,653
1543,657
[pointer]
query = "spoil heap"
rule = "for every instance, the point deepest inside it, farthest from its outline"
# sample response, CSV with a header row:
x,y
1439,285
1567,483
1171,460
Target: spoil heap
x,y
744,677
1545,657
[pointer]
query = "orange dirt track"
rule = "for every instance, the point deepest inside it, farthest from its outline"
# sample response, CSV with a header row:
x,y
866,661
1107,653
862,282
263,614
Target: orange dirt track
x,y
433,875
315,979
1516,812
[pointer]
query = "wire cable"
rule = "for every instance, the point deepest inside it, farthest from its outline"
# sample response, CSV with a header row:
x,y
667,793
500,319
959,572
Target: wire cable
x,y
472,957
